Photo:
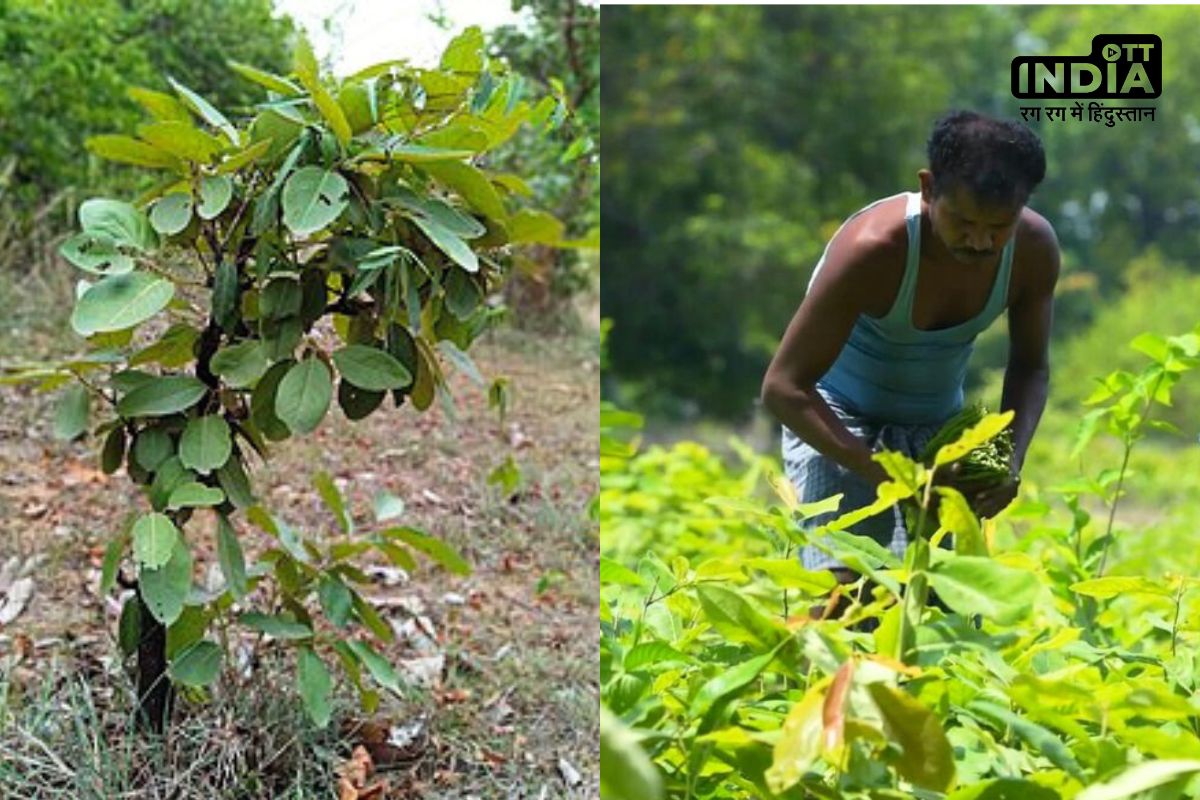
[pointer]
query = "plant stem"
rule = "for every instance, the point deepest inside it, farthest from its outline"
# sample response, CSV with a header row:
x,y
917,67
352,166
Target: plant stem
x,y
1178,606
912,603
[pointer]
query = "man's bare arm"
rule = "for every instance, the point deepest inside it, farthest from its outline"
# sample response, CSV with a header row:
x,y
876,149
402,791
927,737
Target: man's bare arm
x,y
811,344
1030,317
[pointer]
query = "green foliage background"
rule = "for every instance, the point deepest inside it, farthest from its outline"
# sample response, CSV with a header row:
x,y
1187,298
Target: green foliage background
x,y
739,138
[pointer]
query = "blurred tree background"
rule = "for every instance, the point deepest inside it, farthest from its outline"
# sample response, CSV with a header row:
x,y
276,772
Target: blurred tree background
x,y
739,138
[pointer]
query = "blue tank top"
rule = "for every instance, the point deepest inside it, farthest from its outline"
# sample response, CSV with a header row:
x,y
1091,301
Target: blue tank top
x,y
888,369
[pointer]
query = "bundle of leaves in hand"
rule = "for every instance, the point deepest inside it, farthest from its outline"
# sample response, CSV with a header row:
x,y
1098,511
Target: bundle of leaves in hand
x,y
984,466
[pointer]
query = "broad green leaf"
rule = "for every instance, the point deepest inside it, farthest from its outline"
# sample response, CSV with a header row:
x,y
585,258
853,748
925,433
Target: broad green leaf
x,y
786,573
973,437
377,665
129,627
1141,778
154,540
461,361
463,295
159,105
262,401
169,475
371,368
928,759
113,453
181,139
799,743
737,618
194,494
471,185
127,150
974,585
267,80
161,396
198,665
242,364
231,558
330,111
613,573
117,221
244,157
277,626
1152,345
436,549
648,654
121,301
304,61
205,444
152,447
313,198
534,227
234,483
423,154
333,500
173,349
205,110
316,686
172,213
1113,586
165,589
336,600
464,54
71,415
304,395
956,515
95,253
626,773
357,403
448,242
215,193
870,553
370,617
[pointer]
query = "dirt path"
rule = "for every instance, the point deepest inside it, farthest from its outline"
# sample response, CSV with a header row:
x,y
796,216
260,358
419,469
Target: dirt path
x,y
512,713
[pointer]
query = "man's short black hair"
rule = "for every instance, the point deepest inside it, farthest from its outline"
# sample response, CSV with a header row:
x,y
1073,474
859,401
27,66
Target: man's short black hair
x,y
999,161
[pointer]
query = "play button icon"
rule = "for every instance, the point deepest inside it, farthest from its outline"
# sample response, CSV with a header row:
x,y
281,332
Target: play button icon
x,y
1112,52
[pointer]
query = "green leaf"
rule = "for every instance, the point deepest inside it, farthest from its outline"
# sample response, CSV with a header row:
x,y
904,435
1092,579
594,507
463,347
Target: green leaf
x,y
262,401
648,654
113,453
786,573
371,368
436,549
357,403
955,514
316,686
928,759
626,773
194,495
333,500
71,415
304,395
461,361
534,227
471,185
118,222
173,349
152,447
198,665
154,540
234,482
95,253
127,150
120,301
215,193
161,396
449,243
165,589
112,562
172,213
313,198
129,627
1141,778
181,139
205,110
170,474
1113,586
423,154
1039,739
737,618
377,665
205,444
1005,789
159,105
336,600
244,157
267,80
463,295
242,364
974,585
729,681
464,54
231,558
614,573
799,743
277,626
